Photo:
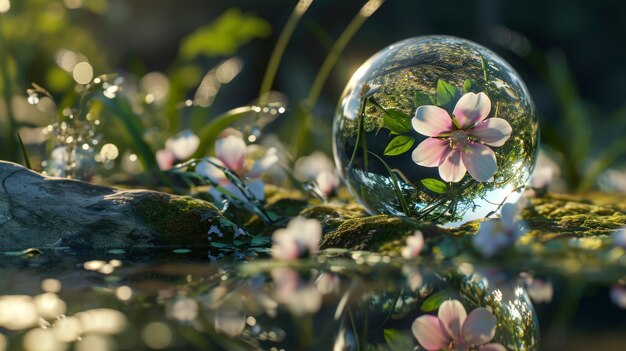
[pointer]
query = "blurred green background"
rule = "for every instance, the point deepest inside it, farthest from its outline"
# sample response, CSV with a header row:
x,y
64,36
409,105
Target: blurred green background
x,y
569,53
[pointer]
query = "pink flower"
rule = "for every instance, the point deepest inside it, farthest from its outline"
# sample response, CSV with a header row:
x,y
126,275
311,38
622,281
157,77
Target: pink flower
x,y
414,245
495,234
327,182
183,145
231,153
300,238
454,330
458,144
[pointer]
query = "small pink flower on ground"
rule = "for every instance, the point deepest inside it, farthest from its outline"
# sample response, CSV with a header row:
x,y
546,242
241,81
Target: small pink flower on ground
x,y
414,245
454,330
183,145
457,148
619,238
319,168
327,182
166,159
301,238
231,153
618,295
547,171
495,234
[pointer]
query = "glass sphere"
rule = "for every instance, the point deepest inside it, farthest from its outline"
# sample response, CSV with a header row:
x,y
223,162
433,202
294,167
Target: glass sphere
x,y
436,128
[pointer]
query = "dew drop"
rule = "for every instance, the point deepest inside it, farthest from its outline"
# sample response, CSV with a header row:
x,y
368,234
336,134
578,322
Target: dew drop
x,y
33,99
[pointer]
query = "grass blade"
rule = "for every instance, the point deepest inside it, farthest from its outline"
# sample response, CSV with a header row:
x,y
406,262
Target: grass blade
x,y
24,153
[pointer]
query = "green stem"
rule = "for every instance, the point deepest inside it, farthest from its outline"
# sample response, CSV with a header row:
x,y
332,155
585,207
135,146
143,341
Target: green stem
x,y
356,332
8,95
279,49
360,131
303,121
335,52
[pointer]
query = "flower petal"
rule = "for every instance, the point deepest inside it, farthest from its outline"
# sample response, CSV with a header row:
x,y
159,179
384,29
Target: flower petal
x,y
307,233
492,131
480,161
263,164
430,333
431,120
285,247
208,170
232,152
492,347
452,315
165,158
479,327
451,168
183,145
472,108
430,152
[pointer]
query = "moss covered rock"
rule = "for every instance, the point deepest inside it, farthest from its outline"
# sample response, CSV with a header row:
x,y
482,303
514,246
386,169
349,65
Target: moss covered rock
x,y
43,212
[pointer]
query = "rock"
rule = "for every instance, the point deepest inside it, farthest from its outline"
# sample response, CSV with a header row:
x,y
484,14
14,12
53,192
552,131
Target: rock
x,y
43,212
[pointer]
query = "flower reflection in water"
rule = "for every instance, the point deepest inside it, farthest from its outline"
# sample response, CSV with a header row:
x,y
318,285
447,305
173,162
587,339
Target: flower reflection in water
x,y
333,301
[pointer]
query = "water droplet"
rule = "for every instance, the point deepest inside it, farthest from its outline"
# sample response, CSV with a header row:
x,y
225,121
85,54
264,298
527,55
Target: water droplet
x,y
82,73
395,160
33,99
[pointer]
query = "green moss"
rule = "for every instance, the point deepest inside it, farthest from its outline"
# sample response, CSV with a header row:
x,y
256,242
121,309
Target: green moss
x,y
177,219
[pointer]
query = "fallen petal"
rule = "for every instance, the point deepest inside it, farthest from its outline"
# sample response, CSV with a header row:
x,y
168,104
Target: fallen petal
x,y
480,161
430,152
451,168
472,108
431,120
492,131
430,333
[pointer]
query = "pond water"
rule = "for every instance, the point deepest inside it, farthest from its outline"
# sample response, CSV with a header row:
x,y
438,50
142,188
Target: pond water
x,y
135,300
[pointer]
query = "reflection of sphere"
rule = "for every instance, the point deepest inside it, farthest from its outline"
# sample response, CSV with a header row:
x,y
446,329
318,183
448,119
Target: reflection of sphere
x,y
490,312
437,128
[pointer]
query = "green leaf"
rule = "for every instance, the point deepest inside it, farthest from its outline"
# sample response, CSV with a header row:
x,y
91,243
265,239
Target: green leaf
x,y
210,132
397,121
224,35
220,245
467,85
434,185
260,240
398,341
399,145
422,99
435,300
446,93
